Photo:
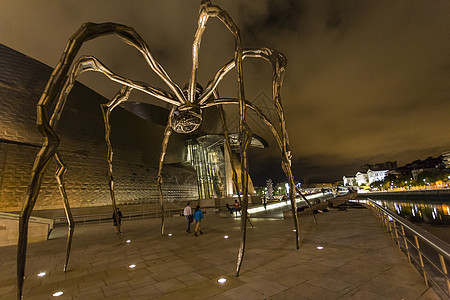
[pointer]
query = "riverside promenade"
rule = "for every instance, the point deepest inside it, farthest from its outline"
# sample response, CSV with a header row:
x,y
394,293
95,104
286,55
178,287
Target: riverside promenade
x,y
358,261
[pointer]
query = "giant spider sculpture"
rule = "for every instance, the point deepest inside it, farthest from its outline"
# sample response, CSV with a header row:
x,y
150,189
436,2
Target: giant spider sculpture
x,y
185,115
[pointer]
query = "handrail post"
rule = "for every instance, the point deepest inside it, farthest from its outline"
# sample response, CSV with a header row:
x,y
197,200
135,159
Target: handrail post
x,y
444,270
421,259
396,235
390,229
383,219
406,243
386,221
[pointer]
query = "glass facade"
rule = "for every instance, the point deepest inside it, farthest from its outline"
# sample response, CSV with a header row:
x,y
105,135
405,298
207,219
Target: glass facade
x,y
208,160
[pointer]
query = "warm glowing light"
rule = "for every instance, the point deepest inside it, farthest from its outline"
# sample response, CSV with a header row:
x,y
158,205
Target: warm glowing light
x,y
222,280
281,204
319,247
42,274
226,236
132,266
57,294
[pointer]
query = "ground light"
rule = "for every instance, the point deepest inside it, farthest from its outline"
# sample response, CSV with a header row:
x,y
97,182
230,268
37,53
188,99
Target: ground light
x,y
169,234
132,266
128,241
42,274
57,294
222,280
225,237
319,247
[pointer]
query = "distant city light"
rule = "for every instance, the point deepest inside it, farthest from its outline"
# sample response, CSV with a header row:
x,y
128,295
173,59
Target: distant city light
x,y
57,294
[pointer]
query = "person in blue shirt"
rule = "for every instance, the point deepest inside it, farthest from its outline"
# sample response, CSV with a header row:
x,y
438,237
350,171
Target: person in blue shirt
x,y
198,216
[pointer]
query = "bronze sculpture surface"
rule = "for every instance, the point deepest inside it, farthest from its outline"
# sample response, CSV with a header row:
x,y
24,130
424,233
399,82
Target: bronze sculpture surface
x,y
185,115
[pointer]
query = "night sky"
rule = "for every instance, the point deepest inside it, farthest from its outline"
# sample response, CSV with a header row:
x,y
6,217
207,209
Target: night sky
x,y
366,81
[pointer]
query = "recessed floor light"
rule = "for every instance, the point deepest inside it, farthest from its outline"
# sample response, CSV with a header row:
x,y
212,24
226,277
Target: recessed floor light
x,y
128,241
169,234
57,294
295,230
42,274
319,247
222,280
132,266
226,236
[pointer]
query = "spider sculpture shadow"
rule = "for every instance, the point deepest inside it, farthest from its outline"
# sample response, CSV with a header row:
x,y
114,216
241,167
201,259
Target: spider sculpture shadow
x,y
185,115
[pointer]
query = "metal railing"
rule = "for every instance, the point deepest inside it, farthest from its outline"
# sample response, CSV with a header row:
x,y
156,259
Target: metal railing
x,y
132,215
428,254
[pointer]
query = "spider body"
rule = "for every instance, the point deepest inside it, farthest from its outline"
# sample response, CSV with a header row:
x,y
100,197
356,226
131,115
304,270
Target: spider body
x,y
185,116
188,117
186,121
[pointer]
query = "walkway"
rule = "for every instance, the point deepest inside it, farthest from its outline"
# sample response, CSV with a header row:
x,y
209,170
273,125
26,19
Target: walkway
x,y
358,261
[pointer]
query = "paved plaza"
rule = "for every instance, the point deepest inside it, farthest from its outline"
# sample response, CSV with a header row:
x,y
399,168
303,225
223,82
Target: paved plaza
x,y
358,261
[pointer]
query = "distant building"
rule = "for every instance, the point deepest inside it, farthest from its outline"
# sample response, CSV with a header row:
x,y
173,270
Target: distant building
x,y
349,180
361,178
376,175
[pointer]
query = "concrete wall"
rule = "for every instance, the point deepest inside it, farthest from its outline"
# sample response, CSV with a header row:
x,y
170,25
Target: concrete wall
x,y
136,145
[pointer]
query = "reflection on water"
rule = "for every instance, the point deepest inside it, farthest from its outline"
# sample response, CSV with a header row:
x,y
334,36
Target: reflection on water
x,y
433,212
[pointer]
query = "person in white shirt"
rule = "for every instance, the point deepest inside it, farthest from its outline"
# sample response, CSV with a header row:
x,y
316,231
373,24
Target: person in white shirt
x,y
188,215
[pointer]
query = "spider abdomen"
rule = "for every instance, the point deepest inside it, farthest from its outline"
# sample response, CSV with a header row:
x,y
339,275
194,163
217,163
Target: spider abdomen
x,y
186,121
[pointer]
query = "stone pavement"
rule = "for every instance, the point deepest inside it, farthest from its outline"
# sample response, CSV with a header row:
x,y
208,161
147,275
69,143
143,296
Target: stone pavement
x,y
358,261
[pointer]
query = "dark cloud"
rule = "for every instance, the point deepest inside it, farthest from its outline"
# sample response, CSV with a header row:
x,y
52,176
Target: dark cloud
x,y
367,81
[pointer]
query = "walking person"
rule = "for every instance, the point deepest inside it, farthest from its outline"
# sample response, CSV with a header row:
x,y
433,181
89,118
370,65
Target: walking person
x,y
237,207
230,209
198,216
188,215
117,221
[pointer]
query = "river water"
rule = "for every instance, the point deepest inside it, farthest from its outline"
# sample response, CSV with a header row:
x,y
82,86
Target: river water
x,y
431,215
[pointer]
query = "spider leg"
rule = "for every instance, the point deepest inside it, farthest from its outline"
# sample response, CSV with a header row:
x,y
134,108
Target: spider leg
x,y
208,10
60,172
120,97
227,143
90,63
308,203
167,133
245,139
278,62
89,31
270,55
220,102
52,93
48,150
